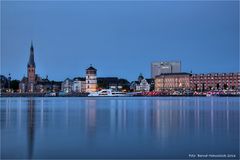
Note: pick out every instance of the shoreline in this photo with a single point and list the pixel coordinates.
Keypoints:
(86, 95)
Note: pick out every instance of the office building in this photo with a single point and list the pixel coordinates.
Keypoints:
(158, 68)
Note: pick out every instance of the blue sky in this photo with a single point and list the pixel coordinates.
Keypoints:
(118, 38)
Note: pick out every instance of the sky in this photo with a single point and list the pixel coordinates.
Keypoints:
(119, 38)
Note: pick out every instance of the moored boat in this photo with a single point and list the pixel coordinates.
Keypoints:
(107, 93)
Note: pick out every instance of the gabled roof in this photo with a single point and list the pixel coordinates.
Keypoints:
(135, 82)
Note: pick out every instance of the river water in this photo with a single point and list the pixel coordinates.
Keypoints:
(120, 127)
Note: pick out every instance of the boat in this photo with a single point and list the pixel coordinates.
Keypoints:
(51, 94)
(107, 93)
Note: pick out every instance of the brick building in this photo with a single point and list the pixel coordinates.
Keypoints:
(33, 82)
(28, 84)
(198, 82)
(215, 81)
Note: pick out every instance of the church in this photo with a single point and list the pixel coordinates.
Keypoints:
(27, 84)
(33, 82)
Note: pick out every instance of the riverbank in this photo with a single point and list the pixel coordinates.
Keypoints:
(42, 95)
(86, 95)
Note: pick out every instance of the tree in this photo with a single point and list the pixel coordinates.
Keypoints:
(14, 84)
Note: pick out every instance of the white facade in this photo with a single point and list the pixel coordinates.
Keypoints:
(79, 86)
(143, 86)
(67, 85)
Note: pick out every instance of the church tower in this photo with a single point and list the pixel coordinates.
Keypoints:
(31, 70)
(91, 79)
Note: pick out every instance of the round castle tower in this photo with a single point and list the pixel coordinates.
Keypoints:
(91, 79)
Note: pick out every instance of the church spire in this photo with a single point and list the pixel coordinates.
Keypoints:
(31, 62)
(31, 48)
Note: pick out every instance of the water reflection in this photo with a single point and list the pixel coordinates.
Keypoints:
(90, 117)
(96, 126)
(31, 126)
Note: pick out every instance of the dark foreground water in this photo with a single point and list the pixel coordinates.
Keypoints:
(141, 127)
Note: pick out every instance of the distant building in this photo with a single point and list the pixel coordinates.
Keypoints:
(28, 84)
(133, 85)
(151, 82)
(143, 86)
(79, 84)
(172, 81)
(91, 79)
(56, 86)
(215, 81)
(31, 71)
(113, 83)
(67, 85)
(140, 85)
(198, 82)
(33, 82)
(158, 68)
(45, 85)
(123, 84)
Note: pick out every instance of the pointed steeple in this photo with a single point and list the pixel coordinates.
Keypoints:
(31, 48)
(140, 77)
(31, 62)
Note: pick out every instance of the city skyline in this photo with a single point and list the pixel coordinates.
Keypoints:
(126, 45)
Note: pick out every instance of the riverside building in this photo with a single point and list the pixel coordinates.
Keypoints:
(141, 84)
(215, 81)
(91, 79)
(198, 82)
(172, 81)
(35, 83)
(28, 83)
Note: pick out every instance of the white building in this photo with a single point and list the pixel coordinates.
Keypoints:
(67, 85)
(140, 85)
(79, 84)
(143, 86)
(91, 79)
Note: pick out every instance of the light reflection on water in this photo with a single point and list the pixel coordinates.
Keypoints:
(141, 127)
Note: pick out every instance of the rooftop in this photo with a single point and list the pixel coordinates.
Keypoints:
(180, 73)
